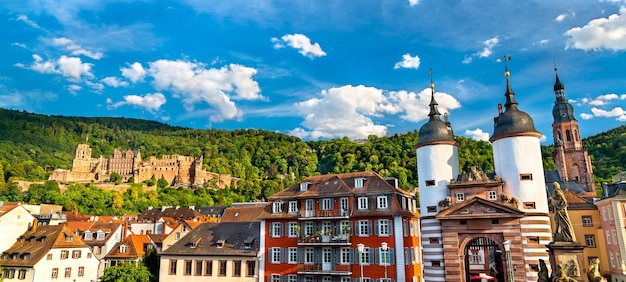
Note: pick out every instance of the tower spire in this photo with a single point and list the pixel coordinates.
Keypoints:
(434, 112)
(559, 88)
(509, 94)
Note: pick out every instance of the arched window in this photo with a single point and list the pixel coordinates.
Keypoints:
(568, 135)
(575, 172)
(576, 135)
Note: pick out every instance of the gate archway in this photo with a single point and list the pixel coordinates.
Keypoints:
(484, 258)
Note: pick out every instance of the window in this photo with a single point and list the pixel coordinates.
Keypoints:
(384, 257)
(309, 228)
(326, 227)
(275, 278)
(363, 228)
(534, 267)
(304, 186)
(292, 255)
(68, 271)
(277, 207)
(345, 205)
(345, 256)
(199, 265)
(358, 182)
(251, 271)
(275, 255)
(433, 240)
(431, 209)
(76, 254)
(188, 265)
(525, 176)
(365, 256)
(384, 228)
(612, 259)
(463, 222)
(293, 207)
(68, 239)
(177, 235)
(49, 256)
(587, 220)
(382, 202)
(608, 237)
(81, 271)
(123, 249)
(291, 229)
(100, 235)
(460, 197)
(208, 267)
(614, 234)
(436, 263)
(292, 278)
(276, 228)
(326, 204)
(55, 272)
(590, 240)
(88, 235)
(222, 265)
(430, 182)
(22, 273)
(237, 268)
(533, 240)
(529, 205)
(308, 256)
(64, 254)
(604, 213)
(345, 228)
(363, 203)
(492, 195)
(404, 205)
(172, 267)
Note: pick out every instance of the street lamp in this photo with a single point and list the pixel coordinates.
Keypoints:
(383, 247)
(361, 248)
(509, 263)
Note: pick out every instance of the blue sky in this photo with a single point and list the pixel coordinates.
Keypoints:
(314, 69)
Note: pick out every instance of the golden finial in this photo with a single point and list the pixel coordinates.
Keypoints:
(430, 73)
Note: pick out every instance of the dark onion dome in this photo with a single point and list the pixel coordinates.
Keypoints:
(562, 110)
(435, 131)
(512, 122)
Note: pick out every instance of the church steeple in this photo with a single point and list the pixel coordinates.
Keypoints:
(434, 112)
(435, 131)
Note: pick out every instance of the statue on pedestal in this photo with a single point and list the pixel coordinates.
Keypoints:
(563, 230)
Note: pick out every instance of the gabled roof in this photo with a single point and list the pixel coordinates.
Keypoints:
(177, 213)
(238, 239)
(135, 243)
(81, 226)
(476, 207)
(108, 228)
(576, 202)
(211, 210)
(7, 207)
(243, 212)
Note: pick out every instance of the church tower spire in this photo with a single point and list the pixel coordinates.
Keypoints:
(570, 157)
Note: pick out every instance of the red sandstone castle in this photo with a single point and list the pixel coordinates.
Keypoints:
(185, 171)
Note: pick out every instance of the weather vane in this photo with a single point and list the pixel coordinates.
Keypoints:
(430, 73)
(506, 68)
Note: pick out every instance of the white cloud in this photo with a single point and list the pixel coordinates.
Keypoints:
(41, 66)
(586, 116)
(134, 73)
(408, 62)
(150, 102)
(564, 16)
(73, 67)
(27, 21)
(413, 2)
(602, 33)
(18, 44)
(617, 112)
(301, 43)
(348, 111)
(544, 41)
(73, 89)
(114, 82)
(485, 52)
(477, 134)
(543, 138)
(600, 100)
(193, 83)
(76, 50)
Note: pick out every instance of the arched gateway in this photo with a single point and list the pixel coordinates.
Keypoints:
(484, 260)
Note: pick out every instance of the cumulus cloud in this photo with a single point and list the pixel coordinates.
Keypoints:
(408, 62)
(134, 73)
(75, 49)
(114, 82)
(477, 134)
(413, 2)
(193, 83)
(349, 111)
(602, 33)
(301, 43)
(73, 67)
(600, 100)
(485, 52)
(149, 102)
(586, 116)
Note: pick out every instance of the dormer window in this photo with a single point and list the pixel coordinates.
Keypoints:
(68, 239)
(358, 182)
(220, 243)
(88, 235)
(123, 249)
(247, 244)
(304, 186)
(100, 235)
(277, 207)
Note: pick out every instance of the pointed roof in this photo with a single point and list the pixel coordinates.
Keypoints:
(435, 131)
(512, 122)
(219, 239)
(562, 111)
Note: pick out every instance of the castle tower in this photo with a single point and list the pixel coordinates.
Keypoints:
(82, 159)
(437, 164)
(517, 160)
(570, 157)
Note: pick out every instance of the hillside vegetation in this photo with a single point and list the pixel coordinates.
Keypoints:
(32, 146)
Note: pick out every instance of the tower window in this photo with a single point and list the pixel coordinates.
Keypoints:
(430, 182)
(495, 221)
(431, 209)
(568, 135)
(433, 240)
(526, 176)
(436, 263)
(534, 267)
(529, 205)
(534, 240)
(463, 222)
(460, 197)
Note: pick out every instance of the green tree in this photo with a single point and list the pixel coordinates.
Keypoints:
(11, 193)
(152, 262)
(116, 177)
(127, 272)
(162, 183)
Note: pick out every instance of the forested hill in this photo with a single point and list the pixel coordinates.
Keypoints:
(32, 146)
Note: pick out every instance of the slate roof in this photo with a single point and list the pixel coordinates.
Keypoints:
(238, 238)
(243, 212)
(612, 190)
(177, 213)
(212, 210)
(552, 176)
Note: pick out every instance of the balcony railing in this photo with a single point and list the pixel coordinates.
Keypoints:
(324, 269)
(329, 214)
(324, 240)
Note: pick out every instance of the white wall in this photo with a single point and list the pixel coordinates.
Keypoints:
(180, 269)
(43, 268)
(439, 163)
(14, 223)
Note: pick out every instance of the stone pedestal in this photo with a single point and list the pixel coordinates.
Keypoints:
(570, 256)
